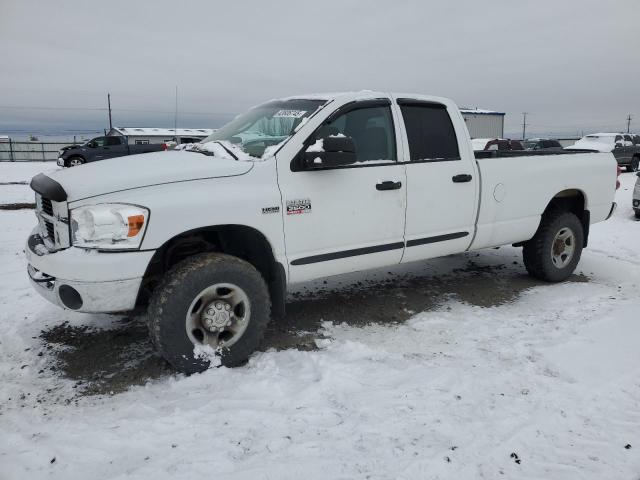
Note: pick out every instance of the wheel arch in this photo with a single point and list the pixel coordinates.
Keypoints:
(572, 200)
(241, 241)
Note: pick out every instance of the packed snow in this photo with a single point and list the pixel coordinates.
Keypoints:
(543, 383)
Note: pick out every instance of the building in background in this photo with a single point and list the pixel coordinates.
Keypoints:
(144, 136)
(483, 123)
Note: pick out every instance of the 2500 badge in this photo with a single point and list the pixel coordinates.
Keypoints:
(297, 207)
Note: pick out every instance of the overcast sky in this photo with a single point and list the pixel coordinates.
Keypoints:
(573, 65)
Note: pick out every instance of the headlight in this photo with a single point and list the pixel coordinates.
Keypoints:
(109, 226)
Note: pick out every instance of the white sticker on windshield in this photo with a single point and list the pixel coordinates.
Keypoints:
(289, 113)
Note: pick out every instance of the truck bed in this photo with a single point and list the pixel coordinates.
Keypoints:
(515, 190)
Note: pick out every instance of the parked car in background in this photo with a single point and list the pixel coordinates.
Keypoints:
(636, 197)
(545, 144)
(624, 146)
(101, 148)
(209, 239)
(501, 144)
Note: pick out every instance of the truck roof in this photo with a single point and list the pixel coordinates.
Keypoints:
(363, 95)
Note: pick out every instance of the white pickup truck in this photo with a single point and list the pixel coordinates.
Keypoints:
(209, 239)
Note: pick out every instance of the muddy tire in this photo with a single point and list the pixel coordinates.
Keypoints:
(209, 300)
(554, 252)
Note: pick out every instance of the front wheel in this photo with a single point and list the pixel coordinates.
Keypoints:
(554, 252)
(210, 303)
(633, 167)
(75, 162)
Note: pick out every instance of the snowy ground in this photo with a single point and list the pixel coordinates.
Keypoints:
(460, 367)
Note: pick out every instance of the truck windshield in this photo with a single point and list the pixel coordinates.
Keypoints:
(265, 125)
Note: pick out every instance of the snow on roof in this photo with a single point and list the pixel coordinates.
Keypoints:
(163, 132)
(479, 111)
(329, 95)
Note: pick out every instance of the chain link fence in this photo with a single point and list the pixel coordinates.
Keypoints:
(12, 151)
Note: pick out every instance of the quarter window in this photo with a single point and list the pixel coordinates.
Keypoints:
(430, 132)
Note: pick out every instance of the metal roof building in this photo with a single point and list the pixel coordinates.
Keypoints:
(483, 123)
(141, 136)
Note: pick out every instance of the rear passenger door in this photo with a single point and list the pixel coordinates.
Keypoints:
(442, 192)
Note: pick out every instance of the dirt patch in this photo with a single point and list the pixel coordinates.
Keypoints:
(395, 300)
(106, 361)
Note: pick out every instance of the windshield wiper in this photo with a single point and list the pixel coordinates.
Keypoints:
(227, 150)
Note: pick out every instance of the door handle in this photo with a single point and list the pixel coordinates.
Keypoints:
(388, 185)
(462, 178)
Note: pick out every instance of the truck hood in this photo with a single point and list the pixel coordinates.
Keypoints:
(135, 171)
(588, 145)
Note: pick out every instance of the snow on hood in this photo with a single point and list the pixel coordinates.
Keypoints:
(134, 171)
(221, 149)
(583, 144)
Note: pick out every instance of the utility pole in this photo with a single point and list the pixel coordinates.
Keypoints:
(109, 103)
(628, 122)
(175, 117)
(524, 125)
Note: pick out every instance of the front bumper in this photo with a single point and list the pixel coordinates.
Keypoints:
(86, 281)
(60, 162)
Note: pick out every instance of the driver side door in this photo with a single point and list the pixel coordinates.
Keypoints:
(347, 218)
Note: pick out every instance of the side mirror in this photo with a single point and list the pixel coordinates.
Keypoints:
(92, 144)
(618, 144)
(330, 152)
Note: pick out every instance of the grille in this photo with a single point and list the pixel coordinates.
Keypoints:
(50, 230)
(47, 207)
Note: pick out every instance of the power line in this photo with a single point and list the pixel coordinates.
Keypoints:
(99, 109)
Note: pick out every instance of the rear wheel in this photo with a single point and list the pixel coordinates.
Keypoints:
(554, 251)
(75, 161)
(210, 303)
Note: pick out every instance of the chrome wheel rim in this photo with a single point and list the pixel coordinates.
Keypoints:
(218, 316)
(563, 247)
(75, 162)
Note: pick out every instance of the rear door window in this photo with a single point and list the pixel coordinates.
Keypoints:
(111, 141)
(430, 131)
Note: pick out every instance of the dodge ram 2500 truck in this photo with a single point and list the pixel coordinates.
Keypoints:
(101, 148)
(208, 239)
